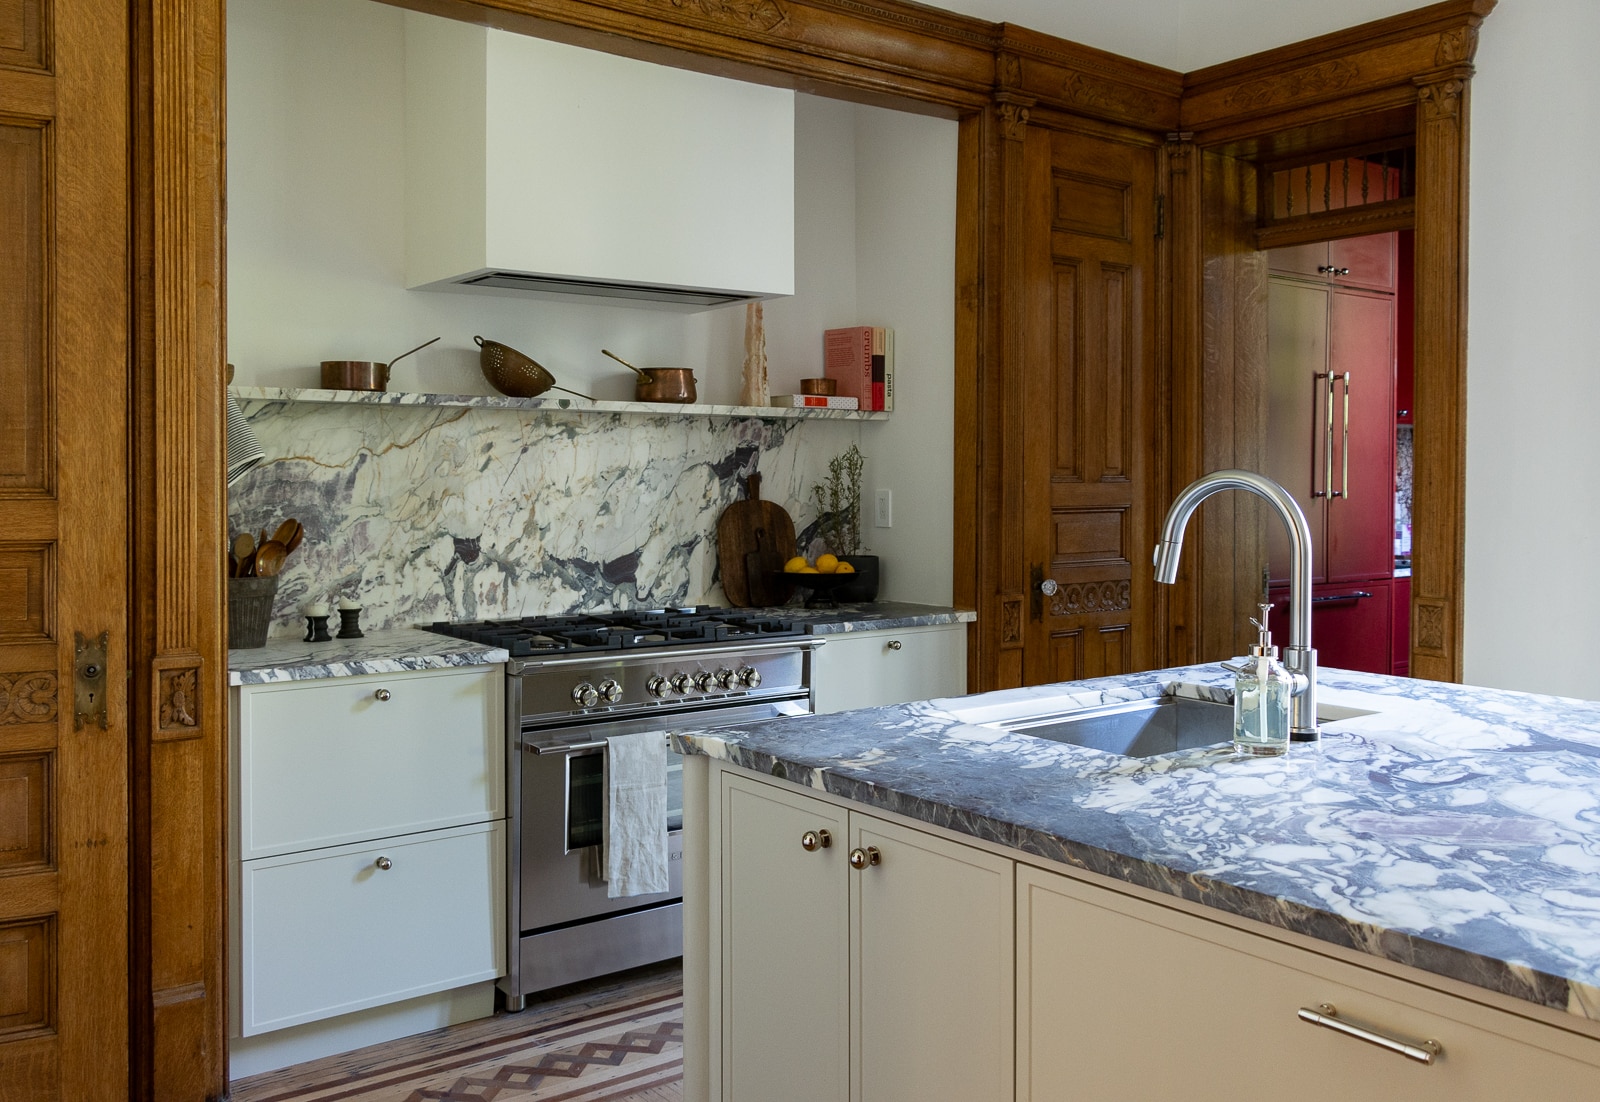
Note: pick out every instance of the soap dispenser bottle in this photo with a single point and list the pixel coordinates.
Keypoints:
(1262, 688)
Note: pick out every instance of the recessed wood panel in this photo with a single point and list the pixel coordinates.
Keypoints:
(1116, 651)
(1115, 338)
(22, 33)
(1090, 535)
(24, 811)
(1069, 438)
(25, 597)
(1084, 204)
(26, 976)
(23, 362)
(1066, 655)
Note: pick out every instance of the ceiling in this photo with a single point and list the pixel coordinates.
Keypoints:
(1182, 34)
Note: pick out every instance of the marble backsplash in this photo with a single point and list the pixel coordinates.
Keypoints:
(423, 513)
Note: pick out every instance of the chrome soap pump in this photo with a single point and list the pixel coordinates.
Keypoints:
(1262, 689)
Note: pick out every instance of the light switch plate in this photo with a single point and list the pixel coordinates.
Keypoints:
(883, 510)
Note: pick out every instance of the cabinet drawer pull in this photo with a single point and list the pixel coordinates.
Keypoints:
(384, 863)
(895, 644)
(382, 694)
(813, 840)
(861, 858)
(1327, 1016)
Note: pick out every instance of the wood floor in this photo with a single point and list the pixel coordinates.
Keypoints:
(614, 1040)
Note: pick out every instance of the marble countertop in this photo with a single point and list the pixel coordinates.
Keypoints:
(376, 652)
(875, 616)
(1455, 829)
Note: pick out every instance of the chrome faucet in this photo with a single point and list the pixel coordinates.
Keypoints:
(1298, 656)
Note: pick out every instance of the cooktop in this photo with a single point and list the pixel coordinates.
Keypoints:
(530, 636)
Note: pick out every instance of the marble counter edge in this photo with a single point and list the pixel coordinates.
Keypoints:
(287, 660)
(1510, 978)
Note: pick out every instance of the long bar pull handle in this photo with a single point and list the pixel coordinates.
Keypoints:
(1327, 1016)
(1344, 455)
(1327, 438)
(1327, 460)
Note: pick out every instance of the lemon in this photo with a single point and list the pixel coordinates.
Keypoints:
(827, 564)
(795, 565)
(844, 568)
(808, 570)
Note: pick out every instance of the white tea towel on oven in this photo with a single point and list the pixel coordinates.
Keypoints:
(636, 814)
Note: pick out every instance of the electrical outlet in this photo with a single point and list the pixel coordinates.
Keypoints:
(883, 512)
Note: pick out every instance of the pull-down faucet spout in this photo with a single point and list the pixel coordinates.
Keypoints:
(1298, 656)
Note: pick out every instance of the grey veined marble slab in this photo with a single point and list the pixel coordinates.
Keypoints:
(875, 616)
(377, 652)
(1456, 829)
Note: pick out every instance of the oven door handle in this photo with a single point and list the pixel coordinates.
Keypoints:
(565, 747)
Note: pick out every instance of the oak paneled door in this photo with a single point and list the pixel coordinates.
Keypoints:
(1089, 439)
(63, 505)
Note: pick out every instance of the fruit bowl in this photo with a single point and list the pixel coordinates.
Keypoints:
(820, 585)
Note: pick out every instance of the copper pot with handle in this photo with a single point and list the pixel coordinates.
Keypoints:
(660, 384)
(362, 374)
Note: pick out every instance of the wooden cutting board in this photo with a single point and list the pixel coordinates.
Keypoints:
(754, 534)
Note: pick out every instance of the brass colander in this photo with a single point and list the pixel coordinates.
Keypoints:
(516, 375)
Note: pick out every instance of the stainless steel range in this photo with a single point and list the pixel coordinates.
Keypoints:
(574, 681)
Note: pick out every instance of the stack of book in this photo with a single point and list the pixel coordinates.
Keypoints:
(815, 401)
(861, 360)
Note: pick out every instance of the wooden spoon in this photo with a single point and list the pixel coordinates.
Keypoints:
(244, 550)
(269, 558)
(294, 541)
(285, 530)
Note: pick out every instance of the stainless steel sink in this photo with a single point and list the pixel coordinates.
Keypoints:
(1149, 727)
(1138, 728)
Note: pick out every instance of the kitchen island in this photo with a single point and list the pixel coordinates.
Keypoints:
(1443, 847)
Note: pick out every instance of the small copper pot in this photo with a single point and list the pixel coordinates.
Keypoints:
(660, 384)
(361, 374)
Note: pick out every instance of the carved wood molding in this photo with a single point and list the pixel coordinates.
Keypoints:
(1013, 121)
(1361, 60)
(1429, 634)
(1377, 218)
(1086, 597)
(176, 696)
(1011, 622)
(28, 697)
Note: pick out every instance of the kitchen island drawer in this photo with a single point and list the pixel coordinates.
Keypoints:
(347, 759)
(330, 932)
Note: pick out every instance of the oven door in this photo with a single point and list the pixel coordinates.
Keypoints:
(563, 801)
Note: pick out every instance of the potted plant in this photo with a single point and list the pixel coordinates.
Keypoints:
(838, 500)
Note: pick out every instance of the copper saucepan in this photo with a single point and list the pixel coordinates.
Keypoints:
(660, 384)
(361, 374)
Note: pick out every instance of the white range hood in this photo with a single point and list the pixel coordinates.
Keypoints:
(540, 168)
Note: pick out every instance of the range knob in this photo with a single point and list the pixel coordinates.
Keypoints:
(724, 678)
(702, 681)
(585, 695)
(657, 686)
(680, 683)
(610, 691)
(749, 677)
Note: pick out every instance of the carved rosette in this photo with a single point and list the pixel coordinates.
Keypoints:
(1010, 623)
(28, 697)
(1430, 627)
(1086, 597)
(1442, 100)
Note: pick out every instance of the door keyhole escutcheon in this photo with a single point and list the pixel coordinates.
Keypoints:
(89, 680)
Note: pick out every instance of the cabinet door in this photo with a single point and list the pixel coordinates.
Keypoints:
(339, 930)
(1297, 408)
(1400, 636)
(785, 947)
(1370, 259)
(933, 989)
(1361, 512)
(1303, 260)
(1350, 624)
(1122, 999)
(872, 669)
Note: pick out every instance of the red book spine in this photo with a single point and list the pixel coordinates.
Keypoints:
(877, 367)
(847, 359)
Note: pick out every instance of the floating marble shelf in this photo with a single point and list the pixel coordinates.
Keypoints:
(537, 405)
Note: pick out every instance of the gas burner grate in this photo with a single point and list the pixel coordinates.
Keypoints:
(538, 636)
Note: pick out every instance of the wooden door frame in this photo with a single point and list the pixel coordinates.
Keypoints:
(1412, 70)
(989, 77)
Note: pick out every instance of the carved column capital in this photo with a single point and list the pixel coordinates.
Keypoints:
(1013, 119)
(1439, 94)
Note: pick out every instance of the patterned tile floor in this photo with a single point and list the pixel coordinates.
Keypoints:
(614, 1040)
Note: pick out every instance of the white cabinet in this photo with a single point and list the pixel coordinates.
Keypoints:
(871, 669)
(885, 983)
(1118, 997)
(371, 842)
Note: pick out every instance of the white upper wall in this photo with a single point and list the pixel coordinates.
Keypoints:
(1183, 34)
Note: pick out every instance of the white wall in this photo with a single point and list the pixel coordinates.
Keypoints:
(1533, 383)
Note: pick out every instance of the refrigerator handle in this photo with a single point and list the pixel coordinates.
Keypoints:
(1344, 451)
(1327, 434)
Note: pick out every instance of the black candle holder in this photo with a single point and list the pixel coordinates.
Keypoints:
(350, 623)
(317, 629)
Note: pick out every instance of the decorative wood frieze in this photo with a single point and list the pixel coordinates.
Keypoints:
(1085, 597)
(176, 697)
(29, 697)
(1011, 623)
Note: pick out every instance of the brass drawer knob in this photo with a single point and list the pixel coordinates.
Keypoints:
(813, 840)
(861, 858)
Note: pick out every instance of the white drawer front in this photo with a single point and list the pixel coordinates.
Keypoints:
(325, 763)
(872, 669)
(329, 933)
